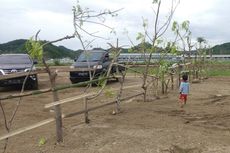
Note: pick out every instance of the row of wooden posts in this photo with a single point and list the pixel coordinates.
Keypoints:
(56, 104)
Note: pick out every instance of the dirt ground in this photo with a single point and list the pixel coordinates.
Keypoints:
(158, 126)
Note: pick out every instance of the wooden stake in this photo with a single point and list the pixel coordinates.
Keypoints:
(86, 110)
(172, 82)
(118, 101)
(58, 119)
(57, 108)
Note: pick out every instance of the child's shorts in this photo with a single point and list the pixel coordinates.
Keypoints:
(183, 97)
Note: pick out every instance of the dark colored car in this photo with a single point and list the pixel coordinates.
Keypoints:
(16, 63)
(98, 62)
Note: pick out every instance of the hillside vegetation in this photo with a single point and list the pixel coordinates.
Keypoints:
(50, 50)
(222, 49)
(57, 52)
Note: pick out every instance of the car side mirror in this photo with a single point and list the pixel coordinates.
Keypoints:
(106, 58)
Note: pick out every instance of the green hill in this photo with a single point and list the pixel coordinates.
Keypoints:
(222, 49)
(50, 50)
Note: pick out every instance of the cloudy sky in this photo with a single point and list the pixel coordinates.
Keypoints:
(21, 19)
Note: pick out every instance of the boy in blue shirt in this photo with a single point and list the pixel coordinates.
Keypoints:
(184, 90)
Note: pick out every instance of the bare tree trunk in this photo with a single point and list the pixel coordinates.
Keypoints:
(155, 85)
(163, 87)
(121, 80)
(172, 81)
(57, 109)
(86, 110)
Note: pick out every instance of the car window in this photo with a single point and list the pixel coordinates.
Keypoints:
(15, 59)
(91, 56)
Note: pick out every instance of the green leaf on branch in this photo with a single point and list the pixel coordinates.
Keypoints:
(174, 50)
(174, 26)
(185, 25)
(140, 36)
(159, 41)
(34, 49)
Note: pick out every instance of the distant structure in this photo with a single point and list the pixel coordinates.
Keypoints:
(140, 57)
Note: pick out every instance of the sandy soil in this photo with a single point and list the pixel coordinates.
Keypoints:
(158, 126)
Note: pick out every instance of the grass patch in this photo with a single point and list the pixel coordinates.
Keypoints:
(141, 69)
(219, 72)
(226, 62)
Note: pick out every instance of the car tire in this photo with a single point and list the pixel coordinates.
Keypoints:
(32, 84)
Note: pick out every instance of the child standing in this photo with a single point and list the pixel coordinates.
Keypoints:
(184, 90)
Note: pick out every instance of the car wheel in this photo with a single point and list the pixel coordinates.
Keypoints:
(32, 85)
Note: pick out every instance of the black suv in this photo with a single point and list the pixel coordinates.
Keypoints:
(98, 61)
(16, 63)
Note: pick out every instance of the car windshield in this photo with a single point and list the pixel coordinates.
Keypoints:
(15, 59)
(91, 56)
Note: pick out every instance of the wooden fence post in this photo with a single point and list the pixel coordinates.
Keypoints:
(57, 108)
(118, 101)
(58, 118)
(172, 81)
(86, 110)
(157, 84)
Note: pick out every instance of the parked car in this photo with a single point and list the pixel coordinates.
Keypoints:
(98, 62)
(16, 63)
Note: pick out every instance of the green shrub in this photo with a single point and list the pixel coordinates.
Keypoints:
(57, 62)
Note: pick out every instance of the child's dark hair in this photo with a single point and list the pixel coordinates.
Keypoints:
(185, 77)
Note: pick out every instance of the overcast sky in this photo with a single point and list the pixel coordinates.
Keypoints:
(21, 19)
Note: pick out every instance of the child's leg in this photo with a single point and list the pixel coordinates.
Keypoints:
(182, 100)
(185, 99)
(182, 103)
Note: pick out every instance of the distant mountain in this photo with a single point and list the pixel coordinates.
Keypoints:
(16, 46)
(50, 50)
(221, 49)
